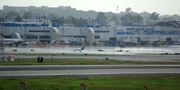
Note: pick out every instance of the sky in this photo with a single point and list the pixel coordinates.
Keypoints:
(163, 7)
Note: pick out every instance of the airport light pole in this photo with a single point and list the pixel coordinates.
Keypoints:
(25, 27)
(88, 20)
(138, 36)
(147, 34)
(106, 21)
(138, 27)
(77, 22)
(2, 39)
(154, 29)
(115, 31)
(122, 23)
(98, 25)
(80, 24)
(132, 30)
(54, 19)
(164, 32)
(154, 23)
(6, 23)
(72, 20)
(44, 22)
(36, 21)
(63, 26)
(2, 24)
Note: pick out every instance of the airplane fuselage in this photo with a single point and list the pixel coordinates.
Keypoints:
(11, 41)
(79, 49)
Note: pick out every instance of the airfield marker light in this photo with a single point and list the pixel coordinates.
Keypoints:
(84, 85)
(24, 84)
(145, 87)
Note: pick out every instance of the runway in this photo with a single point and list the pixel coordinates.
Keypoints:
(86, 70)
(135, 53)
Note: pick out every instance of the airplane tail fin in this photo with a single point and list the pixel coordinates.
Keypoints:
(17, 35)
(82, 48)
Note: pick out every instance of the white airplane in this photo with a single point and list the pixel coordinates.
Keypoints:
(79, 49)
(11, 41)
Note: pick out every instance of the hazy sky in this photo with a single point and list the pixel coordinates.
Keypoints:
(163, 7)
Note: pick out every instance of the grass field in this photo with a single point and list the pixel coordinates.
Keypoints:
(133, 82)
(159, 82)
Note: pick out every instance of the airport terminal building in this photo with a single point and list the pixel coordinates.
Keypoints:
(159, 33)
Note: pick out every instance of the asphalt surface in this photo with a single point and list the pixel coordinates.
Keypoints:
(81, 70)
(139, 54)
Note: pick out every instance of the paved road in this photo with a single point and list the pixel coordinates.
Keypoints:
(62, 70)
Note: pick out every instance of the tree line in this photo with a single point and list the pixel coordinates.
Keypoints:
(101, 18)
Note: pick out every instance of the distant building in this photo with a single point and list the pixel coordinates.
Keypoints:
(45, 31)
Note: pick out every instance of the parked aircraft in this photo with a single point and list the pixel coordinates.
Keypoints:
(52, 42)
(79, 49)
(11, 41)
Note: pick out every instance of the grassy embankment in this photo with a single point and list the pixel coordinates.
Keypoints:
(165, 82)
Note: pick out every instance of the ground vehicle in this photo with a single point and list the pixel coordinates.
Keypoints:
(25, 43)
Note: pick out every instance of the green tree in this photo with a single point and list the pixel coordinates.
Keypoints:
(82, 21)
(137, 19)
(28, 15)
(61, 20)
(11, 14)
(52, 16)
(129, 19)
(70, 19)
(128, 9)
(101, 18)
(18, 18)
(2, 14)
(113, 18)
(154, 15)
